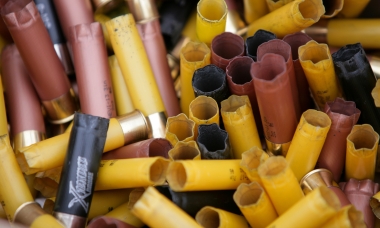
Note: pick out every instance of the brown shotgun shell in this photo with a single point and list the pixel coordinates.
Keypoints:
(92, 70)
(343, 115)
(36, 49)
(146, 148)
(23, 105)
(359, 192)
(280, 47)
(224, 47)
(274, 96)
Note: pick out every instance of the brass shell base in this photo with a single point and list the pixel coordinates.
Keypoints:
(317, 178)
(134, 125)
(27, 138)
(276, 149)
(69, 220)
(27, 213)
(61, 110)
(157, 125)
(64, 56)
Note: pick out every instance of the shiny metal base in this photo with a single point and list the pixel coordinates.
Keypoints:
(318, 31)
(64, 56)
(105, 6)
(27, 138)
(375, 65)
(70, 221)
(275, 149)
(27, 213)
(317, 178)
(61, 110)
(157, 125)
(135, 126)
